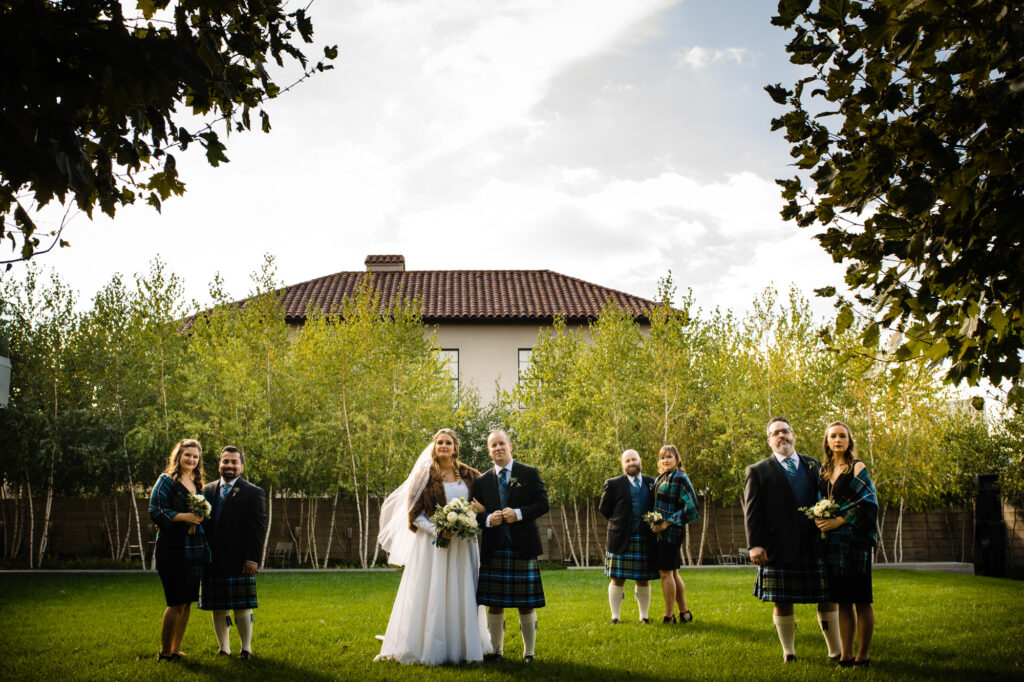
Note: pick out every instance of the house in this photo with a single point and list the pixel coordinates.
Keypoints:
(487, 321)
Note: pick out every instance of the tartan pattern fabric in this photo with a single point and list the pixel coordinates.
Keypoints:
(848, 548)
(635, 564)
(167, 501)
(675, 498)
(508, 581)
(232, 592)
(800, 583)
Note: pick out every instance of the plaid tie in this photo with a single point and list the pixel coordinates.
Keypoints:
(224, 490)
(790, 467)
(636, 482)
(503, 475)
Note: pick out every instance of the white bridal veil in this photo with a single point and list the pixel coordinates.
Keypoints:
(394, 536)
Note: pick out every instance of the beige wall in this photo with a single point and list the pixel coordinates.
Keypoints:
(488, 352)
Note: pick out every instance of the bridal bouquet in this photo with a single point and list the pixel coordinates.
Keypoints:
(653, 518)
(825, 509)
(457, 519)
(198, 505)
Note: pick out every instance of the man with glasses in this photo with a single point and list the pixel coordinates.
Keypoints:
(784, 544)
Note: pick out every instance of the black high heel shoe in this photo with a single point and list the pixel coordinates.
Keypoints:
(669, 619)
(685, 616)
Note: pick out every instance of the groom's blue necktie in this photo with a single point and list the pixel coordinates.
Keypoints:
(790, 466)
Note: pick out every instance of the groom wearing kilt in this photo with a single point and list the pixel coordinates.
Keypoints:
(513, 497)
(784, 544)
(236, 531)
(624, 502)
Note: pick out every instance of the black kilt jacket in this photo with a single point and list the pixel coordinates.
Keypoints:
(617, 506)
(237, 531)
(772, 519)
(526, 493)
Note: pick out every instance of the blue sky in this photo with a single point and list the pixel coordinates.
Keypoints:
(607, 140)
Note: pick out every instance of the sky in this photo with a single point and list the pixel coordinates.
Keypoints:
(607, 140)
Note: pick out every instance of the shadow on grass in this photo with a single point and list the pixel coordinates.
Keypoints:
(231, 668)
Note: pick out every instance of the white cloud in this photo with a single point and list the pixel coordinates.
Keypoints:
(698, 58)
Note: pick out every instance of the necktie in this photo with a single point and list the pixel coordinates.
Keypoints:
(503, 475)
(636, 482)
(224, 490)
(790, 467)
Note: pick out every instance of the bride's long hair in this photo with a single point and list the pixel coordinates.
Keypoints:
(435, 469)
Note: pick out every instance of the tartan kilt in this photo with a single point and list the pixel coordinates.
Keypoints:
(232, 592)
(635, 564)
(803, 582)
(508, 581)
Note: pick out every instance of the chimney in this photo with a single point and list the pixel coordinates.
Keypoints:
(390, 263)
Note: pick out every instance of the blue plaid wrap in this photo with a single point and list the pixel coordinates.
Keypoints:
(509, 581)
(675, 499)
(167, 501)
(848, 548)
(635, 564)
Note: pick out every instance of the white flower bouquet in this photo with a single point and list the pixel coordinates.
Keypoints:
(825, 508)
(455, 519)
(198, 505)
(653, 518)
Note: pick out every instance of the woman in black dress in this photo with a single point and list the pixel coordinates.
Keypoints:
(850, 537)
(181, 549)
(676, 501)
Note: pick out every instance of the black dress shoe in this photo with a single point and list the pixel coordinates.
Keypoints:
(223, 653)
(645, 621)
(685, 617)
(834, 659)
(615, 621)
(845, 662)
(865, 663)
(528, 659)
(789, 658)
(162, 657)
(245, 655)
(494, 658)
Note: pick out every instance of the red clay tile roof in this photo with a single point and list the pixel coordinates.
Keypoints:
(470, 295)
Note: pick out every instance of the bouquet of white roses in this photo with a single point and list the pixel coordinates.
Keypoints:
(455, 519)
(198, 505)
(825, 508)
(653, 518)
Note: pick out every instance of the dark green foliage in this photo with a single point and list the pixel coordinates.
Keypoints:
(94, 101)
(919, 126)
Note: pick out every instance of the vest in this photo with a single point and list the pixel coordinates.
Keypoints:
(640, 499)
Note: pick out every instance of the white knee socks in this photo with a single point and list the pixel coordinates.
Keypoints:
(528, 626)
(496, 629)
(221, 623)
(829, 622)
(615, 594)
(643, 599)
(786, 627)
(243, 621)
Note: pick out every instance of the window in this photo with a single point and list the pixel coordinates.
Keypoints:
(451, 359)
(524, 361)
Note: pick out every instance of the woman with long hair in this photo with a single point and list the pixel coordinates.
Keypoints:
(181, 550)
(435, 618)
(850, 537)
(676, 501)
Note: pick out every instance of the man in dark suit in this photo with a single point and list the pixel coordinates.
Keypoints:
(784, 543)
(624, 502)
(513, 497)
(235, 531)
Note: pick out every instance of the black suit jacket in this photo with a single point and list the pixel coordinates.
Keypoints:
(772, 519)
(527, 494)
(617, 506)
(236, 532)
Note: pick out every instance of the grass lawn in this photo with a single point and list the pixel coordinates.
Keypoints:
(322, 627)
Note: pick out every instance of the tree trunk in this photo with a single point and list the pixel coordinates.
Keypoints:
(108, 531)
(303, 522)
(270, 523)
(568, 538)
(3, 518)
(330, 530)
(688, 553)
(881, 536)
(703, 531)
(579, 539)
(355, 481)
(314, 504)
(376, 545)
(897, 546)
(135, 502)
(49, 506)
(586, 530)
(31, 522)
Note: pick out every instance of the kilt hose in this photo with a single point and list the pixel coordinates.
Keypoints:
(635, 564)
(803, 582)
(226, 593)
(508, 581)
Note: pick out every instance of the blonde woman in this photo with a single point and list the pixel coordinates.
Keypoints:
(850, 536)
(676, 501)
(181, 556)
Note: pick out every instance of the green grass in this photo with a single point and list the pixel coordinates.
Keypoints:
(321, 627)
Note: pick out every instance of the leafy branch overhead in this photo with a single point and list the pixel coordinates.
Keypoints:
(909, 133)
(95, 102)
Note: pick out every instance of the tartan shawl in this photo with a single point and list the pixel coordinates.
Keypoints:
(675, 499)
(167, 501)
(849, 546)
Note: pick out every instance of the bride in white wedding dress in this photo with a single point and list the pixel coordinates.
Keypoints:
(435, 618)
